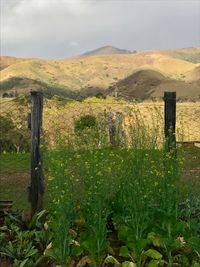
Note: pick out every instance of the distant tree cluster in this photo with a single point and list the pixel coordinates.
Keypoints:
(100, 95)
(10, 94)
(13, 139)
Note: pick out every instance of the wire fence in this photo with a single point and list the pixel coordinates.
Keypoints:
(62, 120)
(59, 118)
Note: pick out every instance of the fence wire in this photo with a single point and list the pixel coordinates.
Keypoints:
(130, 123)
(60, 118)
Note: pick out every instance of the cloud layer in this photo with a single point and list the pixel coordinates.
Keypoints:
(64, 28)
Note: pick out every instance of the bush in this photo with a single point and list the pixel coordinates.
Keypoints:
(85, 122)
(100, 95)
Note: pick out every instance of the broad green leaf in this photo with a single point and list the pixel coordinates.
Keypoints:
(86, 245)
(23, 263)
(124, 252)
(154, 254)
(155, 263)
(128, 264)
(123, 232)
(112, 260)
(111, 250)
(36, 217)
(77, 251)
(31, 252)
(154, 239)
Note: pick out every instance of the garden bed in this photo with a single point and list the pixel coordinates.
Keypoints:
(110, 207)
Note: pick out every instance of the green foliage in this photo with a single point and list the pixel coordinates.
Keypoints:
(11, 137)
(24, 242)
(85, 122)
(61, 208)
(6, 126)
(100, 95)
(134, 189)
(23, 99)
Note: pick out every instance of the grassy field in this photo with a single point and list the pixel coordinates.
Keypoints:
(14, 178)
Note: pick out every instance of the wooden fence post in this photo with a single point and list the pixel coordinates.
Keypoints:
(119, 129)
(170, 120)
(111, 129)
(36, 189)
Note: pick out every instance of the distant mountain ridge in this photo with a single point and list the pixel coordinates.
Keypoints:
(106, 50)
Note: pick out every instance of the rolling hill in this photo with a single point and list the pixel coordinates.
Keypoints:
(145, 74)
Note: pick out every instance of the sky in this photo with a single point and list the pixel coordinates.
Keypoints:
(66, 28)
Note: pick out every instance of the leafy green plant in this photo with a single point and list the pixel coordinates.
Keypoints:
(23, 241)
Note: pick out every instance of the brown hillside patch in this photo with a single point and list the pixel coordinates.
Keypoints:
(149, 83)
(193, 75)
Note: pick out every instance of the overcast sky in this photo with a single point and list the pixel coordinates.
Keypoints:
(64, 28)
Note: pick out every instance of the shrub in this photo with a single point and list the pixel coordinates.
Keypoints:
(100, 95)
(85, 122)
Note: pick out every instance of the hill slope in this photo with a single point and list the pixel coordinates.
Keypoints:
(144, 84)
(86, 76)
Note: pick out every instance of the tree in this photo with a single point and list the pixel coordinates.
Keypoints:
(5, 95)
(100, 95)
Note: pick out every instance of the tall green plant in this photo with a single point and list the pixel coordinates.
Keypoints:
(100, 182)
(61, 206)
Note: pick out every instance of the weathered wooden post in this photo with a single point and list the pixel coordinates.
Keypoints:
(36, 188)
(170, 120)
(111, 129)
(119, 129)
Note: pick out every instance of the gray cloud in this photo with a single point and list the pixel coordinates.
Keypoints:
(63, 28)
